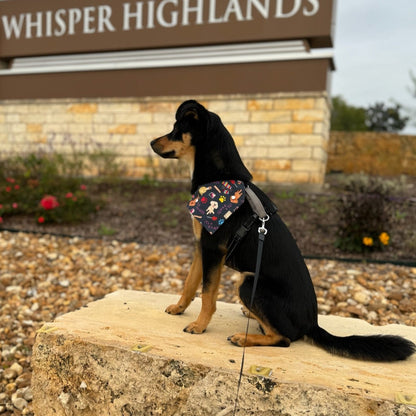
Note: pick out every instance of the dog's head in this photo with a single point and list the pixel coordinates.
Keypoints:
(200, 138)
(180, 142)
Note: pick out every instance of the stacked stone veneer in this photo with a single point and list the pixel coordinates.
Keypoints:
(282, 138)
(373, 153)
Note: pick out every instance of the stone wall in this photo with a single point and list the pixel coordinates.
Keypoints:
(282, 138)
(372, 153)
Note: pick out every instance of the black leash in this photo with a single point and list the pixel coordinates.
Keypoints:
(262, 233)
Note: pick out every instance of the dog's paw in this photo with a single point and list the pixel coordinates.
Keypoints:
(174, 309)
(237, 339)
(194, 328)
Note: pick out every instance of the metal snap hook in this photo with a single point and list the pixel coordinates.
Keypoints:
(262, 229)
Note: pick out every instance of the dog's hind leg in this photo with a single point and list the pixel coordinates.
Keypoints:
(191, 285)
(270, 335)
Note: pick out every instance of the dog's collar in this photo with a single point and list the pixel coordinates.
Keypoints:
(213, 203)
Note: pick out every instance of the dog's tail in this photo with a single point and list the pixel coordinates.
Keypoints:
(368, 348)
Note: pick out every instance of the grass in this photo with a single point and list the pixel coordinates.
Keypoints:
(105, 230)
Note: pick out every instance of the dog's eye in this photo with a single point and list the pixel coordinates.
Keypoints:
(176, 135)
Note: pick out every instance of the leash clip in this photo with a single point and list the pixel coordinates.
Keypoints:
(262, 229)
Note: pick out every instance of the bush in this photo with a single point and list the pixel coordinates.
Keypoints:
(45, 186)
(364, 214)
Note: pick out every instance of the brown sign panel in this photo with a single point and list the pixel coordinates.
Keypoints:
(248, 78)
(47, 27)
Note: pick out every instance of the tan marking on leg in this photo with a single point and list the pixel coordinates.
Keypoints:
(197, 228)
(259, 340)
(269, 338)
(209, 299)
(191, 285)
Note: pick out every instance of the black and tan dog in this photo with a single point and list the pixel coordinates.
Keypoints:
(285, 302)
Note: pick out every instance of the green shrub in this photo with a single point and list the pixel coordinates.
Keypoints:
(364, 212)
(28, 182)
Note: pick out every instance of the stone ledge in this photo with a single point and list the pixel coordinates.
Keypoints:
(87, 363)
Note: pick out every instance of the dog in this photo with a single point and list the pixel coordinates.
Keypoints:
(284, 302)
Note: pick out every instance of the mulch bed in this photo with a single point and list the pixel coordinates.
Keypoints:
(150, 213)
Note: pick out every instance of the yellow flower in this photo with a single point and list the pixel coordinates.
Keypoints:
(367, 241)
(384, 238)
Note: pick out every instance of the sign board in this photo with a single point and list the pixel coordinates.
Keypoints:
(48, 27)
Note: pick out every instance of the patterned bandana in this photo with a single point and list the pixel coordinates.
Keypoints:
(214, 202)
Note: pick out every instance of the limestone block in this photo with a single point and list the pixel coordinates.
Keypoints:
(295, 152)
(12, 118)
(118, 107)
(235, 116)
(308, 115)
(123, 129)
(83, 108)
(268, 116)
(248, 152)
(308, 140)
(295, 128)
(308, 165)
(222, 105)
(268, 140)
(295, 104)
(260, 104)
(122, 355)
(272, 164)
(281, 176)
(156, 106)
(251, 128)
(105, 118)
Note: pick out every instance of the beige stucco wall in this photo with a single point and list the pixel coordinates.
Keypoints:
(282, 138)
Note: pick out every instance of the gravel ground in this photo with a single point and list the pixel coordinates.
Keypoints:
(44, 276)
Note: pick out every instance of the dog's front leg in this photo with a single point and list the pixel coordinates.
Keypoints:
(212, 267)
(191, 285)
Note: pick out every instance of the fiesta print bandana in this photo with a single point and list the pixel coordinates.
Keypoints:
(215, 202)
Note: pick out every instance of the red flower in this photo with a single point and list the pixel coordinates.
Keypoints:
(10, 180)
(8, 188)
(69, 195)
(15, 205)
(17, 187)
(41, 220)
(83, 187)
(49, 202)
(1, 220)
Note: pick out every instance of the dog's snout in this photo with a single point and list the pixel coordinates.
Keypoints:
(162, 146)
(155, 144)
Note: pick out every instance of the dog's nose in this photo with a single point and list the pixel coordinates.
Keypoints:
(153, 144)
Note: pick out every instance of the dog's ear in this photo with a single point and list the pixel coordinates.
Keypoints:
(190, 108)
(192, 113)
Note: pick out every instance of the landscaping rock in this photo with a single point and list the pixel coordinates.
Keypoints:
(124, 356)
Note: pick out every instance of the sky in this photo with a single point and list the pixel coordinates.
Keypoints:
(375, 50)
